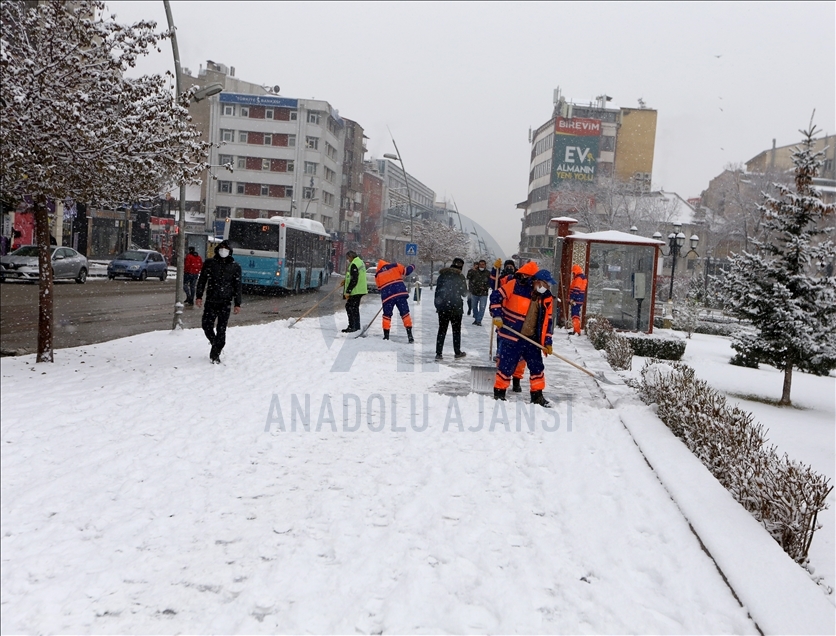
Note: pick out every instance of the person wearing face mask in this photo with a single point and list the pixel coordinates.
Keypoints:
(478, 281)
(525, 305)
(220, 276)
(505, 272)
(577, 294)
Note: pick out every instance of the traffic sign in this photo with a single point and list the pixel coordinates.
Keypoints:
(412, 249)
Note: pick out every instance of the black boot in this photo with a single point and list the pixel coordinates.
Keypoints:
(409, 335)
(215, 355)
(516, 386)
(537, 398)
(499, 394)
(386, 334)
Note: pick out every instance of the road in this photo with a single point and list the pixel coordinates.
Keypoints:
(102, 310)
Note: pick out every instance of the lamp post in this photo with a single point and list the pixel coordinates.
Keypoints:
(676, 240)
(389, 155)
(307, 205)
(203, 93)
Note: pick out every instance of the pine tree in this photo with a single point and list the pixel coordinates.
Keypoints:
(72, 125)
(782, 287)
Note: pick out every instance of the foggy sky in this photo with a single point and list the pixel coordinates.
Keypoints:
(459, 84)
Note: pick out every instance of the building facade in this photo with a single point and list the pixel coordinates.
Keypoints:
(579, 150)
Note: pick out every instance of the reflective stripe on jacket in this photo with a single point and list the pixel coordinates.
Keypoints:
(389, 280)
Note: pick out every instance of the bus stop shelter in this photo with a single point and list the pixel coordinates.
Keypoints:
(620, 270)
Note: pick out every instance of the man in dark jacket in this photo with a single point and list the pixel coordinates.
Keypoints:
(478, 281)
(223, 276)
(450, 291)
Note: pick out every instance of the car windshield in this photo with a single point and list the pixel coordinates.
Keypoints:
(131, 256)
(26, 250)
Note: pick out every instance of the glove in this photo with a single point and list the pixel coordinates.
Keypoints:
(497, 323)
(548, 349)
(497, 263)
(346, 296)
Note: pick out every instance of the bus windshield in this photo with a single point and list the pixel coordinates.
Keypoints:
(251, 235)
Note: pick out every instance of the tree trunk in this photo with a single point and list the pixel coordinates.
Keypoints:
(785, 397)
(45, 289)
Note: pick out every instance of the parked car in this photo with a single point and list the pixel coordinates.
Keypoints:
(22, 264)
(139, 265)
(370, 281)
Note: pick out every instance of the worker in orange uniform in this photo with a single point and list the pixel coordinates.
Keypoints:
(525, 305)
(577, 294)
(393, 293)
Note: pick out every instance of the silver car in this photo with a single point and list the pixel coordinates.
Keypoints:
(22, 264)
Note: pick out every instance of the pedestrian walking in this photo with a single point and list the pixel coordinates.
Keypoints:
(469, 295)
(450, 292)
(191, 271)
(220, 276)
(393, 293)
(525, 305)
(355, 288)
(577, 295)
(478, 284)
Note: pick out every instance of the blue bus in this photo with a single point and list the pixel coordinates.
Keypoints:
(281, 252)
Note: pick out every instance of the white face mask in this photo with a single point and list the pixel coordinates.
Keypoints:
(223, 252)
(540, 289)
(481, 269)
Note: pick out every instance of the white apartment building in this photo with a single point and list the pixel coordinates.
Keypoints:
(286, 155)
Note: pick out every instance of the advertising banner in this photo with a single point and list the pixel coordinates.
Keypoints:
(575, 154)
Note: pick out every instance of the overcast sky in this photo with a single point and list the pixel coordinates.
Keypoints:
(459, 84)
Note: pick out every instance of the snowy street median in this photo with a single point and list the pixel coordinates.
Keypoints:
(314, 482)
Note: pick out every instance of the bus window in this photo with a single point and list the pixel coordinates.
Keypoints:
(254, 236)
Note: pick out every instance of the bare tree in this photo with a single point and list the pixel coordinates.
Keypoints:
(74, 126)
(438, 242)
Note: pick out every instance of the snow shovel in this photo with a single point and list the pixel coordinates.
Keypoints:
(293, 324)
(362, 334)
(482, 377)
(597, 376)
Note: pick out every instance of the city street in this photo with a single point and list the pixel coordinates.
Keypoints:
(103, 310)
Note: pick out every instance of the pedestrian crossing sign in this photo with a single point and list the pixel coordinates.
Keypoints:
(412, 249)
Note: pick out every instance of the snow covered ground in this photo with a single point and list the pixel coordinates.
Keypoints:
(318, 483)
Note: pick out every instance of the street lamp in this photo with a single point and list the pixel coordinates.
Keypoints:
(397, 157)
(208, 91)
(676, 240)
(307, 205)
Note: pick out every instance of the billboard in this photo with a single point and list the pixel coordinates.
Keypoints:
(575, 154)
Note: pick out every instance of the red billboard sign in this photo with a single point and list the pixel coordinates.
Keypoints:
(578, 126)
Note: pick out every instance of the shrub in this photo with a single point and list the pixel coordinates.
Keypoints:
(744, 360)
(661, 348)
(619, 352)
(598, 330)
(784, 496)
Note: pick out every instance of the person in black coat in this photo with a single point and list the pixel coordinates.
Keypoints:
(450, 292)
(221, 278)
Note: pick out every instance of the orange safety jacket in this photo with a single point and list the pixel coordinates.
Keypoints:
(511, 302)
(389, 280)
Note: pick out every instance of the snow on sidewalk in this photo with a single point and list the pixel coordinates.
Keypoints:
(141, 493)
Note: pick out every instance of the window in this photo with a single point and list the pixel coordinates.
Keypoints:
(288, 192)
(308, 193)
(242, 163)
(222, 212)
(607, 143)
(294, 115)
(242, 137)
(291, 166)
(227, 135)
(268, 140)
(245, 111)
(310, 167)
(328, 198)
(314, 116)
(312, 143)
(265, 164)
(331, 152)
(239, 188)
(224, 159)
(268, 113)
(291, 140)
(330, 174)
(265, 190)
(229, 109)
(225, 186)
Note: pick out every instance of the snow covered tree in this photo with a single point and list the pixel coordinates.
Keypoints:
(782, 288)
(439, 242)
(73, 126)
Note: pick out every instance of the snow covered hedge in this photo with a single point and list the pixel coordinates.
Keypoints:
(783, 495)
(656, 347)
(619, 352)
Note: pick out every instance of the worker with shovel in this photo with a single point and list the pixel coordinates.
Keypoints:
(393, 293)
(524, 306)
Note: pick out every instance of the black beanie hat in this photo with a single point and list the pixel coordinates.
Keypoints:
(457, 263)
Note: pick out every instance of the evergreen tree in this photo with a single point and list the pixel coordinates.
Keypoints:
(782, 287)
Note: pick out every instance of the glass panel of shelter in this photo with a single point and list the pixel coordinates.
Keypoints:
(620, 279)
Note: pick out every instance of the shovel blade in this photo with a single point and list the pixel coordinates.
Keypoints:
(482, 379)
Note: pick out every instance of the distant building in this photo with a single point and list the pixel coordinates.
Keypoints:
(348, 235)
(581, 147)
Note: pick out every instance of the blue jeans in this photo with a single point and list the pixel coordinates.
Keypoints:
(479, 305)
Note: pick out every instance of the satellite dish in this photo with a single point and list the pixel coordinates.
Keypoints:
(276, 89)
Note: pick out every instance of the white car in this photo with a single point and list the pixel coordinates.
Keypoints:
(370, 281)
(22, 264)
